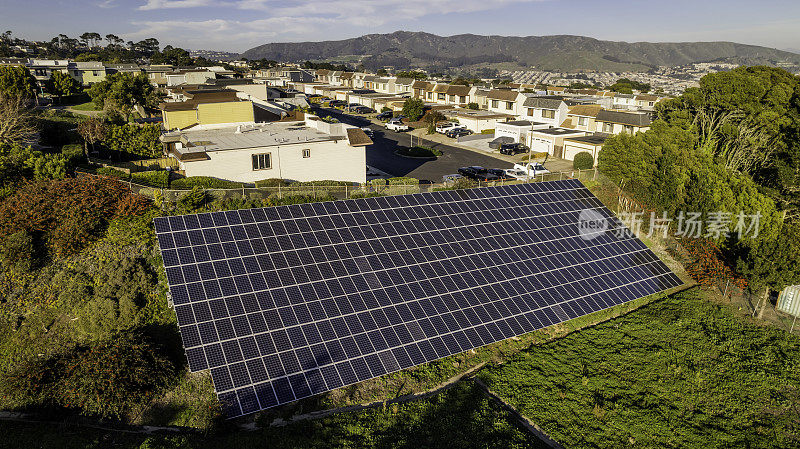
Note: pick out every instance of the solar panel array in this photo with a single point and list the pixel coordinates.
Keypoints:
(286, 302)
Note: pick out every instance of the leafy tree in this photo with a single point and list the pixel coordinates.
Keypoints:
(381, 72)
(133, 140)
(473, 106)
(18, 164)
(124, 90)
(62, 85)
(413, 108)
(172, 55)
(432, 118)
(17, 123)
(17, 81)
(626, 86)
(414, 74)
(92, 131)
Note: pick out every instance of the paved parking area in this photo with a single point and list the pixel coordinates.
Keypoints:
(381, 154)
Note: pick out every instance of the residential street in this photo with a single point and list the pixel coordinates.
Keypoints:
(381, 154)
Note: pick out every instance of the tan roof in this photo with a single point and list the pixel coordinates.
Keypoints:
(458, 89)
(440, 88)
(586, 110)
(199, 98)
(358, 138)
(647, 97)
(500, 94)
(347, 75)
(323, 72)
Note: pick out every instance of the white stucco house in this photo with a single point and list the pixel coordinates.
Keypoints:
(310, 150)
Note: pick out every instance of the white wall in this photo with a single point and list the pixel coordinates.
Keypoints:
(334, 160)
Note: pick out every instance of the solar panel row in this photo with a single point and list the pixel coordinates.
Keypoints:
(282, 303)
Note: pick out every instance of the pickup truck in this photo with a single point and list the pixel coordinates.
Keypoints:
(444, 127)
(396, 125)
(532, 169)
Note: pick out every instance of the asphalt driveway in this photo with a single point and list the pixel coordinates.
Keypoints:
(381, 154)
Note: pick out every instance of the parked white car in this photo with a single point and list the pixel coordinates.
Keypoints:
(517, 174)
(396, 125)
(532, 169)
(444, 127)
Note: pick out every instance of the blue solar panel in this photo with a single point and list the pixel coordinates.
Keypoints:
(286, 302)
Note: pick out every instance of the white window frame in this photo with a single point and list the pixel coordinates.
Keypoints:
(258, 160)
(306, 153)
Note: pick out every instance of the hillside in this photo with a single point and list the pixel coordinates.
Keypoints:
(403, 49)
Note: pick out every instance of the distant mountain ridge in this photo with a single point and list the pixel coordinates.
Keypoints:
(562, 52)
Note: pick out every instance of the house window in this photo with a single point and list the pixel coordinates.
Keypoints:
(440, 96)
(306, 153)
(452, 98)
(509, 105)
(608, 128)
(651, 103)
(582, 121)
(548, 113)
(628, 129)
(430, 95)
(495, 103)
(463, 99)
(530, 112)
(262, 161)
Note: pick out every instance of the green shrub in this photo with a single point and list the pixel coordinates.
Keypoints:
(325, 183)
(488, 131)
(272, 182)
(403, 180)
(204, 181)
(363, 194)
(192, 201)
(58, 128)
(73, 153)
(473, 106)
(157, 178)
(583, 161)
(17, 252)
(419, 151)
(105, 379)
(112, 172)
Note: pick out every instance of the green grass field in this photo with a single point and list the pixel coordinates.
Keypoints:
(460, 417)
(88, 106)
(680, 372)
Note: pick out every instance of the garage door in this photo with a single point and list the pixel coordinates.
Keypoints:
(541, 145)
(570, 152)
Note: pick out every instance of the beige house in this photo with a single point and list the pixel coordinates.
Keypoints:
(87, 73)
(582, 117)
(207, 108)
(310, 150)
(477, 121)
(551, 140)
(615, 122)
(504, 101)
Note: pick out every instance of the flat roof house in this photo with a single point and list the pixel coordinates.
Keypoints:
(310, 150)
(207, 108)
(518, 130)
(589, 144)
(551, 140)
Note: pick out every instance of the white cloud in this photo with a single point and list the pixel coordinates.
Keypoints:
(298, 20)
(173, 4)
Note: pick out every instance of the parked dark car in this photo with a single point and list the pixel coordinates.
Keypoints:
(336, 103)
(362, 110)
(457, 132)
(501, 174)
(513, 148)
(385, 115)
(477, 173)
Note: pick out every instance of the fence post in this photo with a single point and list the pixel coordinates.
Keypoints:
(594, 176)
(346, 193)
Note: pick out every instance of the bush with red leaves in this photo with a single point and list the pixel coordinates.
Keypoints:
(65, 215)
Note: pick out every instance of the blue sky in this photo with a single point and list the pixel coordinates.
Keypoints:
(236, 25)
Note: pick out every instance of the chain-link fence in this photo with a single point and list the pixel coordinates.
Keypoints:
(322, 192)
